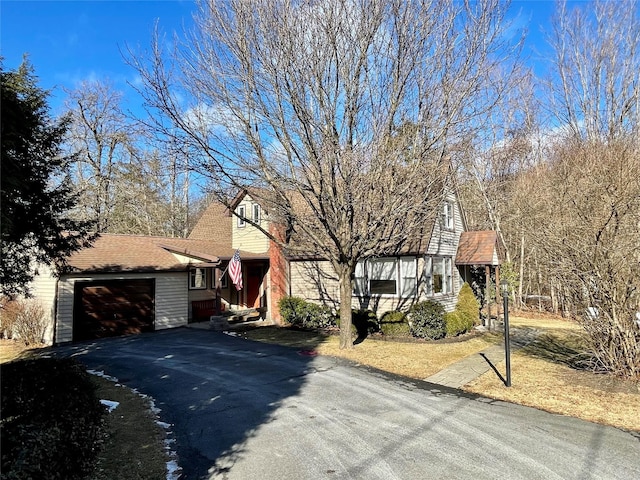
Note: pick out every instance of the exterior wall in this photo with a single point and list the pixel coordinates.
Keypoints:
(277, 279)
(171, 300)
(444, 243)
(43, 289)
(316, 280)
(248, 237)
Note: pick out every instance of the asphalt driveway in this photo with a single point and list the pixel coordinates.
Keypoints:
(245, 410)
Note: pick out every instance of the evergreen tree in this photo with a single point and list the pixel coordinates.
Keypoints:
(36, 194)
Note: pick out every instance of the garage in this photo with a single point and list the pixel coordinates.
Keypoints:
(109, 308)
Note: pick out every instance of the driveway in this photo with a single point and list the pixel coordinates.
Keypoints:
(245, 410)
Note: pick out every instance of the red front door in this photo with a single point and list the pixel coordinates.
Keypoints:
(254, 280)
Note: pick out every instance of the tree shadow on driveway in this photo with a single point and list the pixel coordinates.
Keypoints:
(214, 389)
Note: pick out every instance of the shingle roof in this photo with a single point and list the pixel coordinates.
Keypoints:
(214, 225)
(138, 253)
(134, 253)
(478, 248)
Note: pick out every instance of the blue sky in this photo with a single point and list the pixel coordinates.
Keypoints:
(74, 40)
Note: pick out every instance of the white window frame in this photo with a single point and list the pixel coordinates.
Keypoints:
(256, 213)
(404, 275)
(445, 269)
(197, 278)
(383, 263)
(242, 214)
(447, 215)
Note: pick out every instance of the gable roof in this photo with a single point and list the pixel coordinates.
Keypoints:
(478, 248)
(138, 253)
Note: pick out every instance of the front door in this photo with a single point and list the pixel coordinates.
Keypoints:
(254, 280)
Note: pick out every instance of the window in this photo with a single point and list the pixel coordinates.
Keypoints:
(224, 283)
(438, 275)
(256, 213)
(197, 278)
(386, 276)
(242, 214)
(360, 280)
(447, 215)
(382, 276)
(408, 276)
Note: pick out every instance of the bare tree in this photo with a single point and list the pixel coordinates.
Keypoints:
(595, 89)
(128, 181)
(592, 241)
(101, 136)
(589, 236)
(345, 113)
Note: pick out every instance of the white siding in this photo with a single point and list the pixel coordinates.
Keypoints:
(444, 243)
(171, 300)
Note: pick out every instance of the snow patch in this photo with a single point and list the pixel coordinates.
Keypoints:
(110, 404)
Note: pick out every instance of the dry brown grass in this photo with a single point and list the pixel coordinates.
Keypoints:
(411, 359)
(134, 443)
(548, 375)
(12, 349)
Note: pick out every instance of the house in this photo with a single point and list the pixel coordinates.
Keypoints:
(425, 271)
(126, 284)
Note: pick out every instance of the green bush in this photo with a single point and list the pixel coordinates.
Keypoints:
(395, 324)
(468, 306)
(426, 320)
(456, 323)
(297, 311)
(52, 422)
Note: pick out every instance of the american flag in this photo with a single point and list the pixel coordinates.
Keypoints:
(235, 270)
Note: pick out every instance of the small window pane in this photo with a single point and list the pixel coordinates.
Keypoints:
(241, 215)
(198, 278)
(382, 287)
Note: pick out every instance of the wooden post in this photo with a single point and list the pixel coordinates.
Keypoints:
(487, 273)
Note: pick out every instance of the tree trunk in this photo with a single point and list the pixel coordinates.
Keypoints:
(345, 274)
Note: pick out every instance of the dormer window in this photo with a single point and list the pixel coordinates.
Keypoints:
(242, 213)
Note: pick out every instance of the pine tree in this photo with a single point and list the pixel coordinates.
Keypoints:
(36, 194)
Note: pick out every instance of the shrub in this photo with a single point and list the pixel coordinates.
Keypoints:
(52, 422)
(297, 311)
(24, 320)
(394, 323)
(468, 305)
(456, 323)
(426, 320)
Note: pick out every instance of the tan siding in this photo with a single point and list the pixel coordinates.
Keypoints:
(248, 237)
(43, 289)
(315, 281)
(64, 316)
(171, 300)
